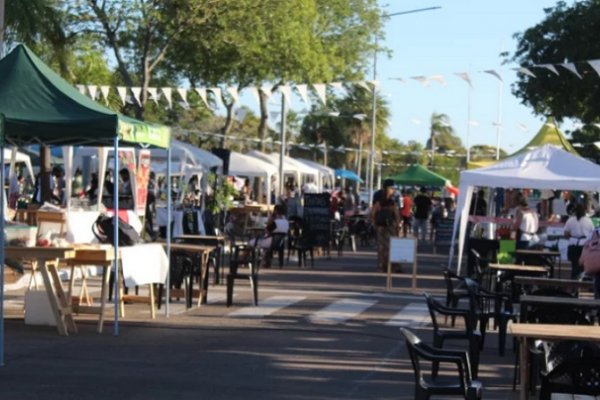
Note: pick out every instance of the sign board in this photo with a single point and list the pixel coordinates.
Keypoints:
(403, 250)
(317, 218)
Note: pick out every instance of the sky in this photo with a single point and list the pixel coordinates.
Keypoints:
(461, 36)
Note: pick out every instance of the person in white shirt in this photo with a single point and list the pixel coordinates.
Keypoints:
(527, 224)
(578, 229)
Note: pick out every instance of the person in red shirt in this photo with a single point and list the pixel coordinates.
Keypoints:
(406, 212)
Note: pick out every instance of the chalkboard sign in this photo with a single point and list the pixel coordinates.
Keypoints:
(317, 218)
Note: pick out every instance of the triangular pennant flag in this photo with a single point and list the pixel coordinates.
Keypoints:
(233, 92)
(401, 80)
(240, 114)
(596, 65)
(525, 71)
(168, 92)
(122, 90)
(254, 91)
(136, 94)
(321, 90)
(523, 127)
(183, 94)
(105, 90)
(597, 125)
(274, 114)
(549, 67)
(421, 79)
(571, 67)
(266, 91)
(287, 93)
(494, 73)
(217, 92)
(153, 94)
(81, 88)
(93, 90)
(303, 92)
(336, 85)
(202, 93)
(438, 78)
(374, 83)
(465, 77)
(363, 85)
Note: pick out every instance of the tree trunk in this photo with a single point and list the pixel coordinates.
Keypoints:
(228, 122)
(262, 127)
(45, 174)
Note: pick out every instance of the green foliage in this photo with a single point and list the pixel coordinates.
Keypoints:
(221, 198)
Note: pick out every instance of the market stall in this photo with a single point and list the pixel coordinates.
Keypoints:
(418, 175)
(300, 172)
(38, 106)
(545, 167)
(326, 174)
(246, 166)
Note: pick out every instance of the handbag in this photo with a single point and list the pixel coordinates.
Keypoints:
(590, 255)
(103, 229)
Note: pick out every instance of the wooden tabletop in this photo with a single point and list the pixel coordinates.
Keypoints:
(90, 255)
(196, 248)
(559, 301)
(39, 252)
(201, 237)
(518, 267)
(550, 253)
(547, 282)
(556, 332)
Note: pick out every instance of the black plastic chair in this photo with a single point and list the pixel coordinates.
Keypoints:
(464, 386)
(573, 367)
(243, 255)
(456, 289)
(486, 305)
(469, 334)
(299, 241)
(277, 246)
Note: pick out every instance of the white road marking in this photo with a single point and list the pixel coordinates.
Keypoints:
(267, 306)
(413, 314)
(341, 310)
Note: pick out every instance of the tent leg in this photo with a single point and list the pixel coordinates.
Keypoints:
(116, 233)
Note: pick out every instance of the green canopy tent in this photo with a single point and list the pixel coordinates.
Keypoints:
(548, 134)
(38, 106)
(417, 175)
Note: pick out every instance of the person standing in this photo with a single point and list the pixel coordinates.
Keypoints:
(578, 229)
(406, 212)
(386, 218)
(422, 210)
(527, 224)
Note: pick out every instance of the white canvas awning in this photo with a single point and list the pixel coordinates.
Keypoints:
(290, 166)
(326, 174)
(251, 167)
(19, 158)
(187, 154)
(545, 167)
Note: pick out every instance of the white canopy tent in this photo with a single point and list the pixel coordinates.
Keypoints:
(251, 167)
(545, 167)
(326, 174)
(19, 158)
(290, 166)
(187, 154)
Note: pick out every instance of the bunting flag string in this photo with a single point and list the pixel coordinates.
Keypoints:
(320, 89)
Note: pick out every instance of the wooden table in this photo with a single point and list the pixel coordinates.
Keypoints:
(203, 251)
(555, 283)
(519, 268)
(217, 241)
(91, 256)
(546, 332)
(46, 259)
(527, 301)
(549, 255)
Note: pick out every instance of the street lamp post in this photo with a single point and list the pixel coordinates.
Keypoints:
(371, 164)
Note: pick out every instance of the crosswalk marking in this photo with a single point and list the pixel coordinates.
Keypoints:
(341, 310)
(267, 307)
(414, 314)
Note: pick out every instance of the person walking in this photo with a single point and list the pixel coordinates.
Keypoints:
(406, 212)
(386, 218)
(422, 210)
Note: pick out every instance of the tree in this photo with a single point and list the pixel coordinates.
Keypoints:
(140, 33)
(567, 34)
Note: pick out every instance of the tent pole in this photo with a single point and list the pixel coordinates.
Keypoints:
(116, 232)
(282, 148)
(2, 216)
(168, 283)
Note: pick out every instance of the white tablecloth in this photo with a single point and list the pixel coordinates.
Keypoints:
(177, 218)
(144, 264)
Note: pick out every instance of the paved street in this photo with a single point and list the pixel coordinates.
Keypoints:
(325, 333)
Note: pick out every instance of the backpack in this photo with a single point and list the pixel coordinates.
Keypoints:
(103, 229)
(590, 255)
